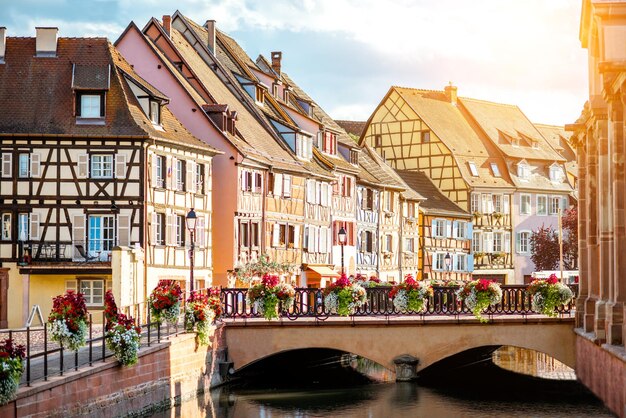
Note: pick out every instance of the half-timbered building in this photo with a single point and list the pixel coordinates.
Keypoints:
(430, 131)
(446, 232)
(92, 160)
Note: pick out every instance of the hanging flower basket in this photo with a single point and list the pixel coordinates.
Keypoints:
(199, 316)
(11, 369)
(123, 336)
(68, 320)
(164, 301)
(480, 294)
(344, 297)
(266, 296)
(215, 304)
(410, 295)
(548, 295)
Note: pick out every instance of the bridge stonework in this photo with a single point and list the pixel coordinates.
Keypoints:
(382, 340)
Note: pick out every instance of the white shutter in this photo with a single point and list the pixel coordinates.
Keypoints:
(435, 264)
(190, 181)
(83, 165)
(78, 232)
(317, 239)
(153, 228)
(325, 194)
(488, 242)
(200, 232)
(433, 228)
(287, 185)
(153, 180)
(35, 165)
(120, 166)
(278, 185)
(455, 229)
(296, 236)
(311, 239)
(507, 242)
(518, 242)
(123, 230)
(207, 179)
(318, 192)
(507, 204)
(170, 232)
(7, 164)
(310, 191)
(275, 235)
(454, 264)
(34, 226)
(448, 229)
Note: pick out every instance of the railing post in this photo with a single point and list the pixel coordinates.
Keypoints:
(90, 340)
(103, 338)
(45, 352)
(27, 356)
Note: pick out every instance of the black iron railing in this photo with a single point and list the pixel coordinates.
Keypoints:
(310, 303)
(46, 358)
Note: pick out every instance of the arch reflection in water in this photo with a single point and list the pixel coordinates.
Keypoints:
(533, 363)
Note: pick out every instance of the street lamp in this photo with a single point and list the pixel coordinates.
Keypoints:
(448, 260)
(342, 241)
(191, 227)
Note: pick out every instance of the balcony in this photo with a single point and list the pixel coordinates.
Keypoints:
(90, 251)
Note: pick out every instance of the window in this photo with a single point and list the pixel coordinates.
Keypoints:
(304, 146)
(556, 173)
(179, 175)
(439, 228)
(497, 203)
(555, 205)
(93, 291)
(498, 242)
(159, 171)
(542, 205)
(476, 242)
(282, 237)
(258, 183)
(286, 185)
(378, 140)
(425, 136)
(459, 229)
(495, 170)
(473, 169)
(439, 261)
(275, 90)
(524, 206)
(244, 234)
(346, 183)
(101, 233)
(388, 243)
(388, 201)
(23, 165)
(90, 105)
(523, 242)
(259, 97)
(367, 199)
(159, 229)
(409, 245)
(5, 233)
(329, 145)
(460, 262)
(523, 170)
(102, 166)
(475, 202)
(23, 221)
(354, 157)
(179, 230)
(410, 209)
(348, 227)
(367, 241)
(254, 234)
(487, 203)
(199, 178)
(155, 112)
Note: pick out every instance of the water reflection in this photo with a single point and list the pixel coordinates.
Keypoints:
(533, 363)
(375, 400)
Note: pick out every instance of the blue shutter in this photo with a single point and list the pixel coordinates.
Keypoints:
(470, 262)
(448, 229)
(455, 229)
(433, 228)
(470, 230)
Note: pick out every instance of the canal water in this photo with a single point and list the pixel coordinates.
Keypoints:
(489, 382)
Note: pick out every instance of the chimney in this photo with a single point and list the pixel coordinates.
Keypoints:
(167, 24)
(3, 43)
(46, 43)
(277, 56)
(209, 25)
(451, 93)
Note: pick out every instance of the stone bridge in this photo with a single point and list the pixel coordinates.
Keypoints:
(384, 339)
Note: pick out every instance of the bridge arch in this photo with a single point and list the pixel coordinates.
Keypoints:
(381, 342)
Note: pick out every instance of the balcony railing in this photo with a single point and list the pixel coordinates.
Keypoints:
(310, 303)
(59, 251)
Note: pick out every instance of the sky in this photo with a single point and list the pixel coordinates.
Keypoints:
(347, 53)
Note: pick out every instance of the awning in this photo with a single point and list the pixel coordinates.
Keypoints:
(322, 270)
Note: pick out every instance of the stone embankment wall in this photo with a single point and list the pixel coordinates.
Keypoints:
(166, 374)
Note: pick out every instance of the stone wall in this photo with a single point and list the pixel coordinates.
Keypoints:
(603, 371)
(166, 374)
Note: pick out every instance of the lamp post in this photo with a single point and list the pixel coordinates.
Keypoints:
(191, 227)
(342, 241)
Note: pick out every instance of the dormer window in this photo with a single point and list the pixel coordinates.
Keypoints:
(535, 144)
(515, 142)
(523, 170)
(286, 95)
(495, 170)
(155, 112)
(90, 105)
(329, 145)
(556, 173)
(304, 146)
(473, 169)
(259, 95)
(354, 157)
(425, 136)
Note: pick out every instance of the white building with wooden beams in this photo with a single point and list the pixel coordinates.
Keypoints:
(80, 132)
(429, 131)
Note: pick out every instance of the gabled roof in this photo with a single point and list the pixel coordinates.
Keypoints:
(36, 94)
(496, 119)
(354, 127)
(559, 138)
(451, 126)
(436, 202)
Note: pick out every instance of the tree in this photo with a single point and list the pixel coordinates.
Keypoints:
(544, 244)
(544, 248)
